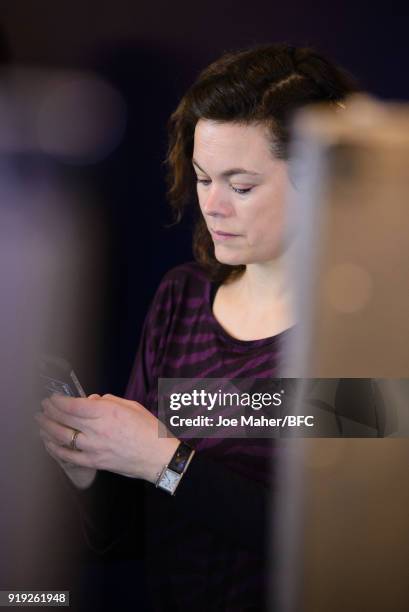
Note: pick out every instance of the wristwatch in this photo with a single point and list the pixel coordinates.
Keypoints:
(171, 475)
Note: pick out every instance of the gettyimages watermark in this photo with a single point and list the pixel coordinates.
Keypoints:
(282, 407)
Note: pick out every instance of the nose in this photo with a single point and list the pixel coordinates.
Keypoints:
(215, 204)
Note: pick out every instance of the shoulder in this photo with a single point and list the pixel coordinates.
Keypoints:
(183, 290)
(190, 270)
(185, 279)
(182, 287)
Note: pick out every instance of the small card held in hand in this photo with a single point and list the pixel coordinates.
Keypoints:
(58, 376)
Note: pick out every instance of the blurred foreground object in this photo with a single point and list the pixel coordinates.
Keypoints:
(51, 233)
(342, 513)
(351, 218)
(342, 529)
(71, 116)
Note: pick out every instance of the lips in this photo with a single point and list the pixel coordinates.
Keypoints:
(218, 233)
(219, 236)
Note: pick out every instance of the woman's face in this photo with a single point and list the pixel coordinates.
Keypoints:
(241, 189)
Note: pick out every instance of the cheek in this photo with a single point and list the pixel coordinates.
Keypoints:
(264, 225)
(261, 220)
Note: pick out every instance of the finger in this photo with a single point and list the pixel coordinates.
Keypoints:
(76, 406)
(52, 429)
(118, 400)
(54, 414)
(46, 439)
(59, 434)
(45, 436)
(68, 455)
(94, 396)
(59, 461)
(48, 450)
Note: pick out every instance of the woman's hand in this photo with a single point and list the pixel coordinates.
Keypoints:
(82, 477)
(116, 435)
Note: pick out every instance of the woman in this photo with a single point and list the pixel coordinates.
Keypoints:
(223, 316)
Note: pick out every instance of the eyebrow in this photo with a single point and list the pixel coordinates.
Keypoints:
(231, 171)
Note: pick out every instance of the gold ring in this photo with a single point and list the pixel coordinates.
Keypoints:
(73, 445)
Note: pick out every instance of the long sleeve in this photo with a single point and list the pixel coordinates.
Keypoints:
(108, 509)
(221, 500)
(112, 505)
(217, 497)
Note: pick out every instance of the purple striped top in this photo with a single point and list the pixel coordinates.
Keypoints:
(205, 546)
(181, 338)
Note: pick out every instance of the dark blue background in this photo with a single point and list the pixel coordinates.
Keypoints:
(152, 51)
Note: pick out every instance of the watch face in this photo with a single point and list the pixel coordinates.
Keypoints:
(169, 481)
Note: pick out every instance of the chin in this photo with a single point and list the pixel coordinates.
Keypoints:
(223, 256)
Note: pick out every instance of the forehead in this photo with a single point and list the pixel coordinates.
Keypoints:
(227, 141)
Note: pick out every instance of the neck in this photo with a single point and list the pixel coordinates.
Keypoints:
(267, 282)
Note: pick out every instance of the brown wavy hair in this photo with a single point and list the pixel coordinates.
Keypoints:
(262, 84)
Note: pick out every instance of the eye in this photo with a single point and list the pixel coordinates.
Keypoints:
(241, 191)
(203, 181)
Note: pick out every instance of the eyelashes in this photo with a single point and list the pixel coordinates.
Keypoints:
(206, 182)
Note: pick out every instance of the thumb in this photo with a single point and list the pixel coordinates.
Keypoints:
(119, 400)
